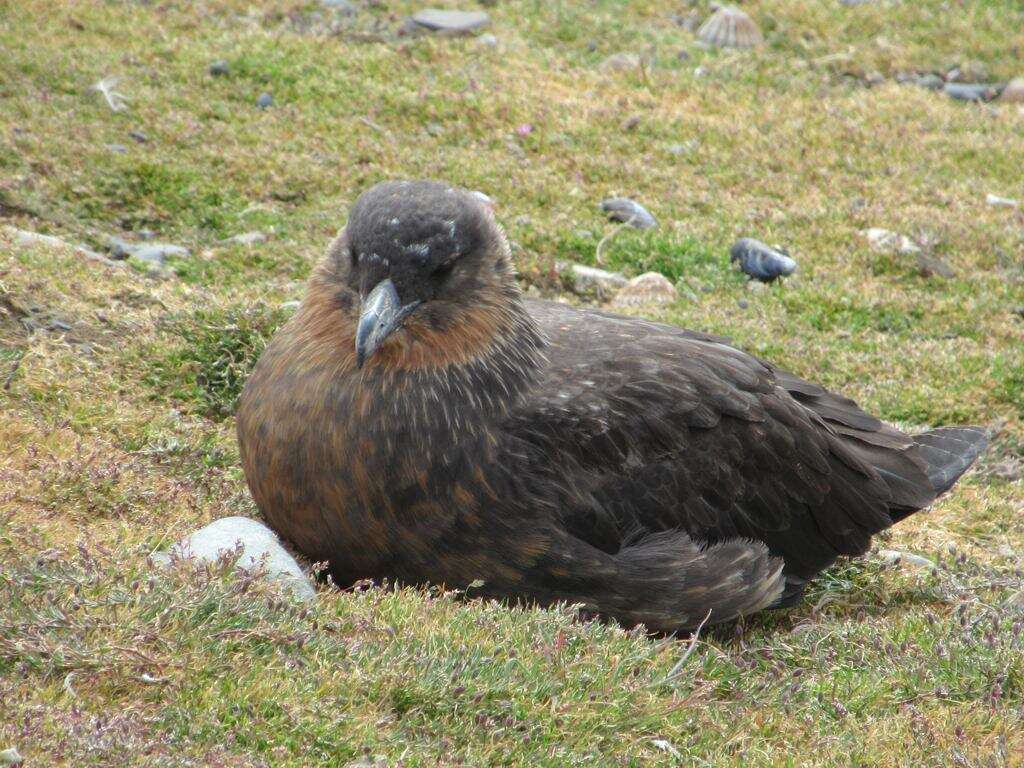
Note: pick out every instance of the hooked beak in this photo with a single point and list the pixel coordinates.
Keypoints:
(381, 315)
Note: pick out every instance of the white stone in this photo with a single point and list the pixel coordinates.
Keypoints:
(890, 242)
(648, 288)
(894, 557)
(1001, 202)
(259, 548)
(451, 21)
(587, 281)
(621, 62)
(246, 238)
(27, 239)
(10, 756)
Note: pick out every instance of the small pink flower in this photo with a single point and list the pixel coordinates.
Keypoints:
(525, 129)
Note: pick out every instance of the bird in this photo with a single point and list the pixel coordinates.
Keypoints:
(419, 421)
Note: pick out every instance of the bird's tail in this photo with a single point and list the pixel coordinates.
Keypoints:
(669, 582)
(949, 452)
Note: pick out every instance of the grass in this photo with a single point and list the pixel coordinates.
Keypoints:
(117, 385)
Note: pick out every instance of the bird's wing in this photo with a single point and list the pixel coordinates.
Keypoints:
(645, 427)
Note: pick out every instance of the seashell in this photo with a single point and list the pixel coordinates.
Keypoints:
(760, 261)
(629, 212)
(649, 288)
(729, 27)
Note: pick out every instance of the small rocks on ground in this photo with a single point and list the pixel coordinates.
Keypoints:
(628, 212)
(451, 22)
(621, 62)
(590, 282)
(729, 27)
(291, 306)
(26, 239)
(894, 557)
(138, 136)
(265, 101)
(488, 40)
(932, 266)
(117, 149)
(220, 68)
(760, 261)
(245, 238)
(968, 72)
(151, 253)
(973, 91)
(648, 288)
(10, 756)
(343, 7)
(1013, 92)
(884, 241)
(930, 80)
(258, 549)
(1001, 202)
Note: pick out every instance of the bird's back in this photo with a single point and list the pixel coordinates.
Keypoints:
(656, 428)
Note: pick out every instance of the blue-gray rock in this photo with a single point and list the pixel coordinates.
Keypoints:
(117, 149)
(151, 253)
(343, 7)
(220, 68)
(265, 101)
(629, 212)
(451, 22)
(931, 81)
(973, 91)
(760, 261)
(257, 546)
(138, 136)
(158, 253)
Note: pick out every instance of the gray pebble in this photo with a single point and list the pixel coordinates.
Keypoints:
(621, 62)
(220, 68)
(629, 212)
(743, 303)
(291, 306)
(931, 81)
(452, 22)
(973, 91)
(761, 262)
(931, 266)
(118, 149)
(265, 101)
(138, 136)
(151, 253)
(343, 7)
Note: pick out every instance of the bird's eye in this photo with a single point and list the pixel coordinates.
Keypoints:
(443, 270)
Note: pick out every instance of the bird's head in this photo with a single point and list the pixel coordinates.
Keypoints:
(429, 270)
